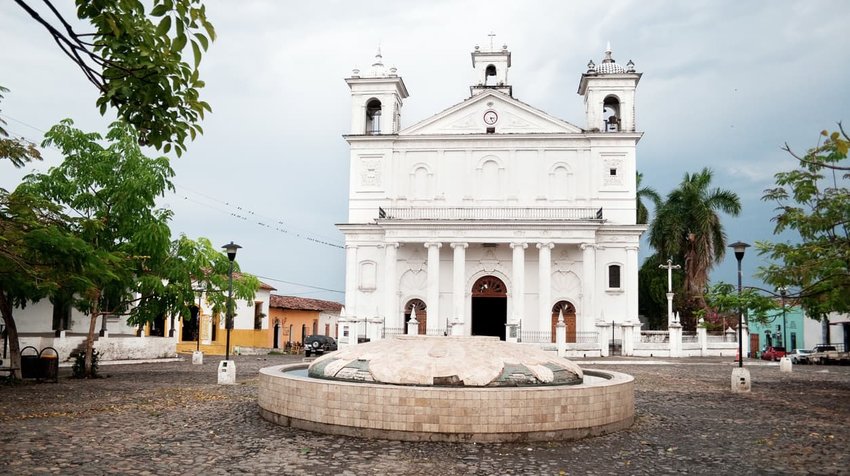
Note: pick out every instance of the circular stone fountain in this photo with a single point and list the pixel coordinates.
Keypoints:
(447, 389)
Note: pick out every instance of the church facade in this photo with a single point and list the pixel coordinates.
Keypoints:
(493, 217)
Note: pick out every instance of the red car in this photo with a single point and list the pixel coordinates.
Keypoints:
(773, 353)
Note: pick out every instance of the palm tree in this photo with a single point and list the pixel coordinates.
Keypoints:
(642, 194)
(687, 226)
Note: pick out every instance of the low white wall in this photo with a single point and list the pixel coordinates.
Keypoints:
(109, 348)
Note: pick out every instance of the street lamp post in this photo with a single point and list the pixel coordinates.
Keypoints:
(231, 249)
(783, 291)
(739, 248)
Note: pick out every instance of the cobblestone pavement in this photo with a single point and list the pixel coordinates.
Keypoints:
(172, 418)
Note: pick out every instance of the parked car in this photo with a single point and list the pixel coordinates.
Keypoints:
(318, 344)
(800, 356)
(824, 348)
(773, 353)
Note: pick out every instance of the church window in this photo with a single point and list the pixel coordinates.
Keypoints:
(612, 172)
(373, 117)
(491, 130)
(490, 71)
(611, 114)
(614, 276)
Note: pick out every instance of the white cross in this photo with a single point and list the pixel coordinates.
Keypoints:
(491, 35)
(670, 267)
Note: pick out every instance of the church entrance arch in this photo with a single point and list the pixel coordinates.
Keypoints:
(569, 319)
(421, 314)
(489, 307)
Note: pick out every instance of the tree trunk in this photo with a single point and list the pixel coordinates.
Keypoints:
(12, 333)
(90, 338)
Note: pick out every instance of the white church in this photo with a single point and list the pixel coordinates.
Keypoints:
(493, 217)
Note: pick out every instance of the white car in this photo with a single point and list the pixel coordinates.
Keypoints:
(800, 356)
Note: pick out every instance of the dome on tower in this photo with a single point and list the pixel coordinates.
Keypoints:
(609, 66)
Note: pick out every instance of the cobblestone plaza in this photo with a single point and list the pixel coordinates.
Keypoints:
(172, 418)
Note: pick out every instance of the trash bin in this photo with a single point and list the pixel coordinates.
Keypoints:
(29, 362)
(48, 362)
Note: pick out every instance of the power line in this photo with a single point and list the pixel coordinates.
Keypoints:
(23, 123)
(246, 214)
(275, 224)
(299, 284)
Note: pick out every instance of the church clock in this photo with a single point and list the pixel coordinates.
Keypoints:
(490, 117)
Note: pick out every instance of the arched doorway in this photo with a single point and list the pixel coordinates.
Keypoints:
(489, 307)
(276, 334)
(421, 314)
(569, 319)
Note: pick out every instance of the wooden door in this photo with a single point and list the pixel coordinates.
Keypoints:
(569, 319)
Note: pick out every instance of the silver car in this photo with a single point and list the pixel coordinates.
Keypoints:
(800, 356)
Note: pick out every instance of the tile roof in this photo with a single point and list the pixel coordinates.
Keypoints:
(303, 304)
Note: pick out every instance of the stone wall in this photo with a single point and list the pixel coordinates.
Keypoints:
(109, 348)
(443, 413)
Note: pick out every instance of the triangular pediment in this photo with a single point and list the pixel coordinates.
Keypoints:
(512, 117)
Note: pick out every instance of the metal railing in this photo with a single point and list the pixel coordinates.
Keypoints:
(536, 337)
(436, 332)
(481, 213)
(392, 331)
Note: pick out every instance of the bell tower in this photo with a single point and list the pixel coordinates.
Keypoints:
(609, 95)
(491, 69)
(376, 99)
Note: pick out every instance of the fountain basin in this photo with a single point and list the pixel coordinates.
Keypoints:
(427, 413)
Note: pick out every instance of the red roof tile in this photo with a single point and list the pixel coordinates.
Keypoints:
(303, 304)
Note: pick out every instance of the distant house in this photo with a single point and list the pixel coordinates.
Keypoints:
(771, 332)
(251, 326)
(294, 318)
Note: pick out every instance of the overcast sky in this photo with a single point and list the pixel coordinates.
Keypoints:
(725, 84)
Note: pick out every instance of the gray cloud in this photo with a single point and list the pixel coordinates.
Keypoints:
(725, 84)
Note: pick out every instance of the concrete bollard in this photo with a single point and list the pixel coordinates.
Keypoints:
(227, 372)
(785, 365)
(197, 357)
(740, 380)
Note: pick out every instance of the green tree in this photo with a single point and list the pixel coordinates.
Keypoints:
(135, 58)
(687, 227)
(643, 194)
(813, 200)
(133, 267)
(39, 255)
(192, 266)
(723, 299)
(18, 150)
(652, 291)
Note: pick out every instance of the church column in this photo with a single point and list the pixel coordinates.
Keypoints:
(518, 292)
(544, 269)
(391, 311)
(588, 285)
(458, 287)
(433, 302)
(351, 280)
(631, 282)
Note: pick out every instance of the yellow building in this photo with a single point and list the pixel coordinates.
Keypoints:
(251, 327)
(294, 318)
